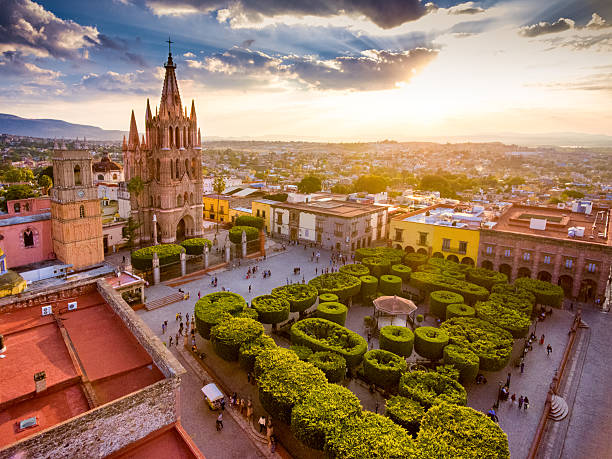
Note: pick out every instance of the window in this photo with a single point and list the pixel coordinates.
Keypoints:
(170, 137)
(263, 214)
(212, 208)
(82, 211)
(157, 170)
(258, 212)
(279, 219)
(463, 246)
(306, 233)
(177, 138)
(176, 167)
(507, 253)
(77, 175)
(28, 238)
(114, 176)
(398, 234)
(222, 210)
(546, 259)
(17, 207)
(591, 267)
(569, 263)
(489, 250)
(100, 177)
(278, 230)
(446, 244)
(526, 256)
(187, 167)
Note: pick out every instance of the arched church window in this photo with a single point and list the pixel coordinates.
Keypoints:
(170, 140)
(82, 211)
(17, 207)
(185, 138)
(159, 201)
(193, 168)
(177, 138)
(114, 176)
(28, 238)
(179, 202)
(157, 170)
(100, 177)
(186, 198)
(187, 167)
(77, 175)
(176, 168)
(171, 169)
(150, 201)
(191, 198)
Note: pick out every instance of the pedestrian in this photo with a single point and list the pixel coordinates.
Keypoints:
(548, 349)
(199, 294)
(269, 429)
(262, 424)
(249, 413)
(176, 317)
(508, 380)
(186, 318)
(272, 444)
(220, 421)
(520, 402)
(165, 324)
(513, 398)
(163, 328)
(522, 366)
(376, 408)
(242, 407)
(369, 336)
(249, 377)
(525, 403)
(177, 339)
(170, 342)
(181, 328)
(541, 340)
(222, 404)
(571, 306)
(249, 288)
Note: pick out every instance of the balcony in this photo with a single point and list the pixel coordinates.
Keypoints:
(454, 250)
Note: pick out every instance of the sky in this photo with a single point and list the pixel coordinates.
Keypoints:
(336, 70)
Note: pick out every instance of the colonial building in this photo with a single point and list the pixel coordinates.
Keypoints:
(168, 162)
(107, 171)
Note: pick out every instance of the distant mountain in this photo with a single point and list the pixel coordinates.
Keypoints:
(48, 128)
(560, 139)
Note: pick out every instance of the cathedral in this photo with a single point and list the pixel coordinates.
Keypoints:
(164, 169)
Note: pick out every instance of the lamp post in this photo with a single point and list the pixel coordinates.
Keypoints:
(154, 229)
(499, 386)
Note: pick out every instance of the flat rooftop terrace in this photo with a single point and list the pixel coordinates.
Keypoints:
(443, 216)
(89, 357)
(345, 209)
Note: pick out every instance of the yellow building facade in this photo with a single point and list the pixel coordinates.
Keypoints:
(263, 208)
(216, 208)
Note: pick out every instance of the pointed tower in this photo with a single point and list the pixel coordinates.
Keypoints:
(170, 104)
(133, 136)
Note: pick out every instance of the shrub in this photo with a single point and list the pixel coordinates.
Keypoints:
(454, 274)
(383, 368)
(327, 298)
(213, 308)
(513, 297)
(355, 269)
(449, 431)
(323, 335)
(302, 352)
(142, 259)
(396, 339)
(427, 282)
(429, 342)
(394, 256)
(235, 234)
(545, 292)
(250, 350)
(195, 246)
(448, 370)
(248, 220)
(427, 268)
(405, 412)
(459, 310)
(270, 358)
(415, 259)
(300, 296)
(333, 311)
(430, 388)
(228, 336)
(439, 301)
(464, 360)
(319, 412)
(377, 266)
(282, 386)
(369, 286)
(371, 436)
(509, 319)
(330, 363)
(390, 285)
(401, 271)
(486, 277)
(340, 284)
(249, 313)
(448, 265)
(492, 345)
(271, 309)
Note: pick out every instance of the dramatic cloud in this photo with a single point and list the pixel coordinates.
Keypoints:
(597, 22)
(595, 82)
(139, 82)
(465, 8)
(12, 64)
(543, 28)
(598, 42)
(386, 14)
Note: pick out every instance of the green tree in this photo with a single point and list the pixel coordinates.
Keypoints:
(371, 184)
(574, 194)
(15, 174)
(45, 182)
(219, 187)
(309, 184)
(130, 231)
(17, 192)
(434, 182)
(341, 189)
(136, 186)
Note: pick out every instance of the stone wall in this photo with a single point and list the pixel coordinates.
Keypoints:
(49, 295)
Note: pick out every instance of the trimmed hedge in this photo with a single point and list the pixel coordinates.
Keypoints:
(271, 309)
(302, 352)
(228, 336)
(327, 298)
(545, 292)
(415, 259)
(142, 259)
(323, 335)
(355, 269)
(195, 246)
(427, 282)
(300, 296)
(492, 344)
(215, 307)
(396, 339)
(369, 286)
(429, 342)
(427, 268)
(340, 284)
(271, 358)
(451, 431)
(454, 274)
(250, 350)
(401, 271)
(330, 363)
(509, 319)
(333, 311)
(370, 436)
(390, 285)
(377, 266)
(459, 310)
(440, 300)
(249, 313)
(513, 297)
(235, 234)
(448, 370)
(430, 388)
(464, 360)
(319, 413)
(394, 256)
(486, 277)
(447, 265)
(383, 368)
(248, 220)
(405, 412)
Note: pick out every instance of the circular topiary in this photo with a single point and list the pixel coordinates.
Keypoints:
(492, 344)
(390, 285)
(355, 269)
(330, 363)
(271, 309)
(249, 220)
(369, 286)
(439, 301)
(393, 255)
(327, 298)
(228, 336)
(235, 234)
(302, 352)
(215, 307)
(486, 277)
(142, 259)
(340, 284)
(428, 282)
(448, 265)
(377, 265)
(545, 292)
(271, 358)
(463, 360)
(405, 412)
(427, 268)
(383, 368)
(457, 431)
(334, 311)
(249, 351)
(300, 296)
(513, 297)
(396, 339)
(429, 342)
(249, 313)
(454, 274)
(459, 310)
(195, 246)
(430, 388)
(415, 259)
(318, 413)
(401, 271)
(509, 319)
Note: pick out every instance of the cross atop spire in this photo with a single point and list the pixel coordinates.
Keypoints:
(169, 43)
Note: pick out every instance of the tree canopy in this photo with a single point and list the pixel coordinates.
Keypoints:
(309, 184)
(371, 184)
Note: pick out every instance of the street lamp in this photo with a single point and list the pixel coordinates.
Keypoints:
(499, 386)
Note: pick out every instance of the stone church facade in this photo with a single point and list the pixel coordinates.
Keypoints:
(168, 162)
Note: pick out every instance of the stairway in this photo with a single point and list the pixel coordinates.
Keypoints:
(164, 300)
(558, 408)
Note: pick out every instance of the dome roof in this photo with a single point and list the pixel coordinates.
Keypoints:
(106, 165)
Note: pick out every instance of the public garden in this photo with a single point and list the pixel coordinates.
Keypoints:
(342, 378)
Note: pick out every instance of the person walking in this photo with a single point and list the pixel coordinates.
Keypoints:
(219, 422)
(249, 413)
(548, 349)
(262, 424)
(522, 366)
(541, 340)
(520, 402)
(170, 342)
(513, 399)
(525, 403)
(176, 339)
(249, 288)
(163, 328)
(508, 380)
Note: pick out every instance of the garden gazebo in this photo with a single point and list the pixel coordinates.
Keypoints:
(386, 308)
